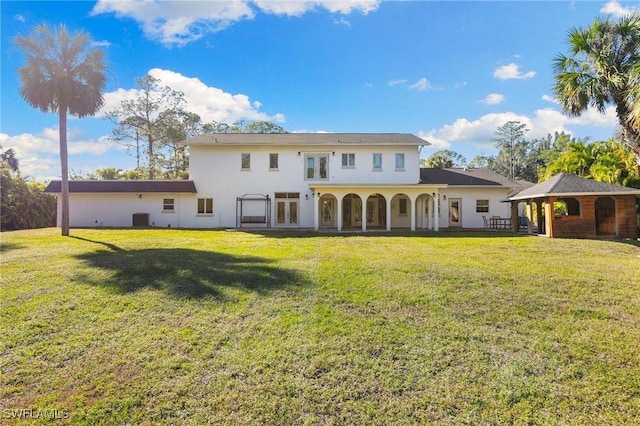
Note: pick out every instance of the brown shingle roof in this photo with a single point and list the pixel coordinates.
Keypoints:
(139, 186)
(565, 184)
(467, 177)
(306, 139)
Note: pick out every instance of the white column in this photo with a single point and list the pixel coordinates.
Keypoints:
(364, 213)
(339, 213)
(388, 208)
(316, 208)
(413, 212)
(436, 221)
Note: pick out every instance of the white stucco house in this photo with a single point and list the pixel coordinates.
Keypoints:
(360, 182)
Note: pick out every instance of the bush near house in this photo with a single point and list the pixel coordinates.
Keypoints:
(225, 327)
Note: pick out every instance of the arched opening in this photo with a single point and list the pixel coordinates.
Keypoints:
(400, 211)
(376, 212)
(605, 216)
(566, 207)
(351, 211)
(328, 211)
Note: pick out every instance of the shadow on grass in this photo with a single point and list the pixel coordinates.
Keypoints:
(4, 247)
(184, 272)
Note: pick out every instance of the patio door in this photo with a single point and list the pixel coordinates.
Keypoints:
(287, 204)
(327, 211)
(455, 212)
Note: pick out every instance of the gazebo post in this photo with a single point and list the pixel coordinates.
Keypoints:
(515, 223)
(529, 217)
(549, 216)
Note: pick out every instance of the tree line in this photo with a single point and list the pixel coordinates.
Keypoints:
(23, 202)
(536, 160)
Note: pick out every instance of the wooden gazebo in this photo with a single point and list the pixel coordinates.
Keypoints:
(569, 206)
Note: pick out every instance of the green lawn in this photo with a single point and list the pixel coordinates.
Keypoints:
(209, 327)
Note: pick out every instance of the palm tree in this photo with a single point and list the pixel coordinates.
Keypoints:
(601, 70)
(64, 75)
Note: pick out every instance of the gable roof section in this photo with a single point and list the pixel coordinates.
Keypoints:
(123, 186)
(467, 177)
(565, 184)
(312, 139)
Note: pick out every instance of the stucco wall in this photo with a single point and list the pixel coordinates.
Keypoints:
(468, 196)
(116, 210)
(218, 174)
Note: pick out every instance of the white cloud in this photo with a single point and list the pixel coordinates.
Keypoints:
(549, 98)
(38, 154)
(614, 8)
(422, 84)
(177, 23)
(180, 22)
(512, 72)
(543, 122)
(396, 82)
(210, 103)
(300, 7)
(493, 99)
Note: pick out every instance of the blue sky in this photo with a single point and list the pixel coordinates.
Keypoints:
(451, 72)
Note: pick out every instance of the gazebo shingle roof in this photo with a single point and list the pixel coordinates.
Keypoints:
(565, 184)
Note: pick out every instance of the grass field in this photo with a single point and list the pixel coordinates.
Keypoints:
(222, 327)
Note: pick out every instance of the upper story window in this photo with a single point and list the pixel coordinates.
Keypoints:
(348, 160)
(273, 161)
(377, 161)
(245, 161)
(400, 161)
(316, 166)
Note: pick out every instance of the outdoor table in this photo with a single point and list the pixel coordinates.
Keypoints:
(500, 222)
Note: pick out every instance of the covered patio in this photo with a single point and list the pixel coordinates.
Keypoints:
(569, 206)
(375, 207)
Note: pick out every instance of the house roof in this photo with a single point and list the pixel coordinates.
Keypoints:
(312, 139)
(566, 185)
(123, 186)
(468, 177)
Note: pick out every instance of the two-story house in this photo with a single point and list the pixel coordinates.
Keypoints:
(354, 181)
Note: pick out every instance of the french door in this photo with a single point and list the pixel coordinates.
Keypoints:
(287, 208)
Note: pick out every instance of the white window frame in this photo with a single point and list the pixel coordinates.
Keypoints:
(245, 161)
(377, 155)
(348, 160)
(273, 156)
(168, 205)
(207, 206)
(480, 206)
(316, 166)
(400, 156)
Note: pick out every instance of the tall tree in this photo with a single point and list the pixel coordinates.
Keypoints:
(512, 149)
(603, 69)
(145, 117)
(62, 74)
